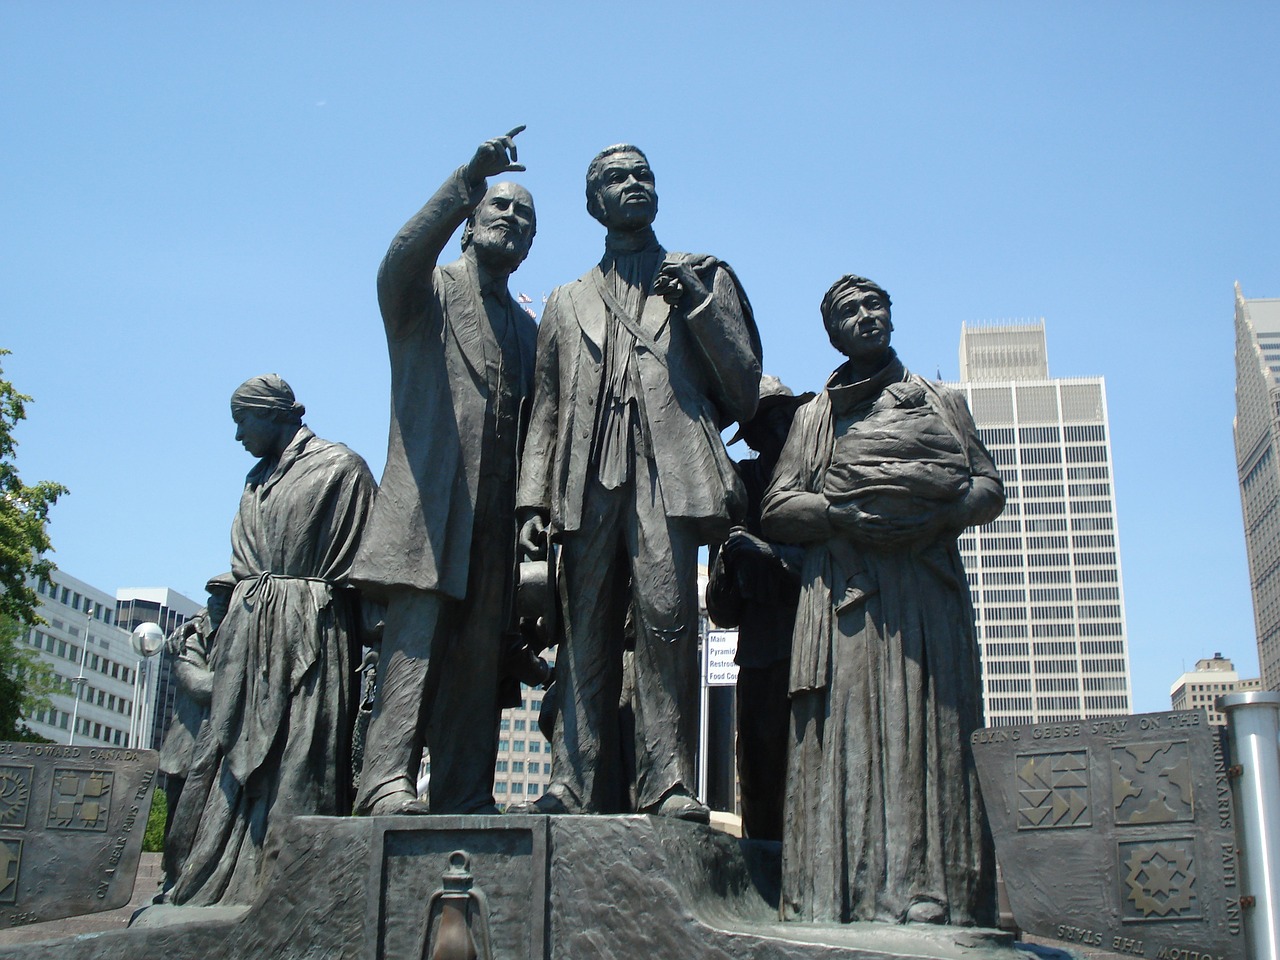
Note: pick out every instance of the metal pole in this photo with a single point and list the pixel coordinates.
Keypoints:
(1254, 727)
(76, 686)
(143, 725)
(134, 717)
(703, 708)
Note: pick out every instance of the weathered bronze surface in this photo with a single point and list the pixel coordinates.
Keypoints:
(640, 363)
(71, 826)
(1117, 833)
(440, 551)
(880, 474)
(277, 742)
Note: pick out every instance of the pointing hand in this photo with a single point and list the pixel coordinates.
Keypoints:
(494, 157)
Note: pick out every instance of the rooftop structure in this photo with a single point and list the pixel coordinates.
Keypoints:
(1211, 679)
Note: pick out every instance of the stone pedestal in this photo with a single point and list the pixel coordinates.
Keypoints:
(520, 888)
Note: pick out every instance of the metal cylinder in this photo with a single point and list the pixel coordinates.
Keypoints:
(1254, 724)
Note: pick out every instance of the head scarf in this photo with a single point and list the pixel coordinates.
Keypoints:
(846, 287)
(267, 394)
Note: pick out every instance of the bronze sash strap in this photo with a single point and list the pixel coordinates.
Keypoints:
(632, 326)
(629, 323)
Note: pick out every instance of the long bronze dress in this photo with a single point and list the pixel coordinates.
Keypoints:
(277, 742)
(883, 810)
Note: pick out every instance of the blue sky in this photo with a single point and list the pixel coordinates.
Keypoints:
(194, 194)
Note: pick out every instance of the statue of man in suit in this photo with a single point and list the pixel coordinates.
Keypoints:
(439, 549)
(641, 362)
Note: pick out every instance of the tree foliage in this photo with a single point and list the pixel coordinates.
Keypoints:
(25, 681)
(153, 839)
(24, 515)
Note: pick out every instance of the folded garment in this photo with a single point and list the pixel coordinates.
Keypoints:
(898, 461)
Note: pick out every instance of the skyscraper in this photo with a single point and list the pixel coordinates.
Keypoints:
(1256, 427)
(1045, 575)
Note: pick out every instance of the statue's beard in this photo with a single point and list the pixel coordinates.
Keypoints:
(499, 249)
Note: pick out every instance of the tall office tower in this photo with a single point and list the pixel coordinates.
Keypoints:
(1045, 575)
(103, 697)
(1257, 433)
(169, 610)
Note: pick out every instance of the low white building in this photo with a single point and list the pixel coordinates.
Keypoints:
(102, 697)
(1211, 679)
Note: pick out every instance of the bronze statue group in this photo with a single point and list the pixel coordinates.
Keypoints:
(592, 441)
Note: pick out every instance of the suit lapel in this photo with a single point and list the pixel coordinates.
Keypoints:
(466, 313)
(589, 310)
(654, 321)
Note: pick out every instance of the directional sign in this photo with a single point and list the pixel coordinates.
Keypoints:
(719, 670)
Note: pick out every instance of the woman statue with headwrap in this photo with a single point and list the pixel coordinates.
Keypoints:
(277, 743)
(880, 474)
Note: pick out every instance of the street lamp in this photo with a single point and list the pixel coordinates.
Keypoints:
(147, 640)
(77, 688)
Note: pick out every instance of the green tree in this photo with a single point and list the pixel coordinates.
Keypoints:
(24, 516)
(25, 682)
(153, 839)
(24, 541)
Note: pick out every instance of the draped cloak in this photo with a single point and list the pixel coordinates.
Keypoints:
(277, 743)
(883, 809)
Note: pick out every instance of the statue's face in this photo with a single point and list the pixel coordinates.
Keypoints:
(503, 226)
(626, 198)
(859, 325)
(219, 603)
(767, 432)
(256, 430)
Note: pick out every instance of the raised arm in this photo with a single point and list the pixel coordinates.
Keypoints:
(404, 279)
